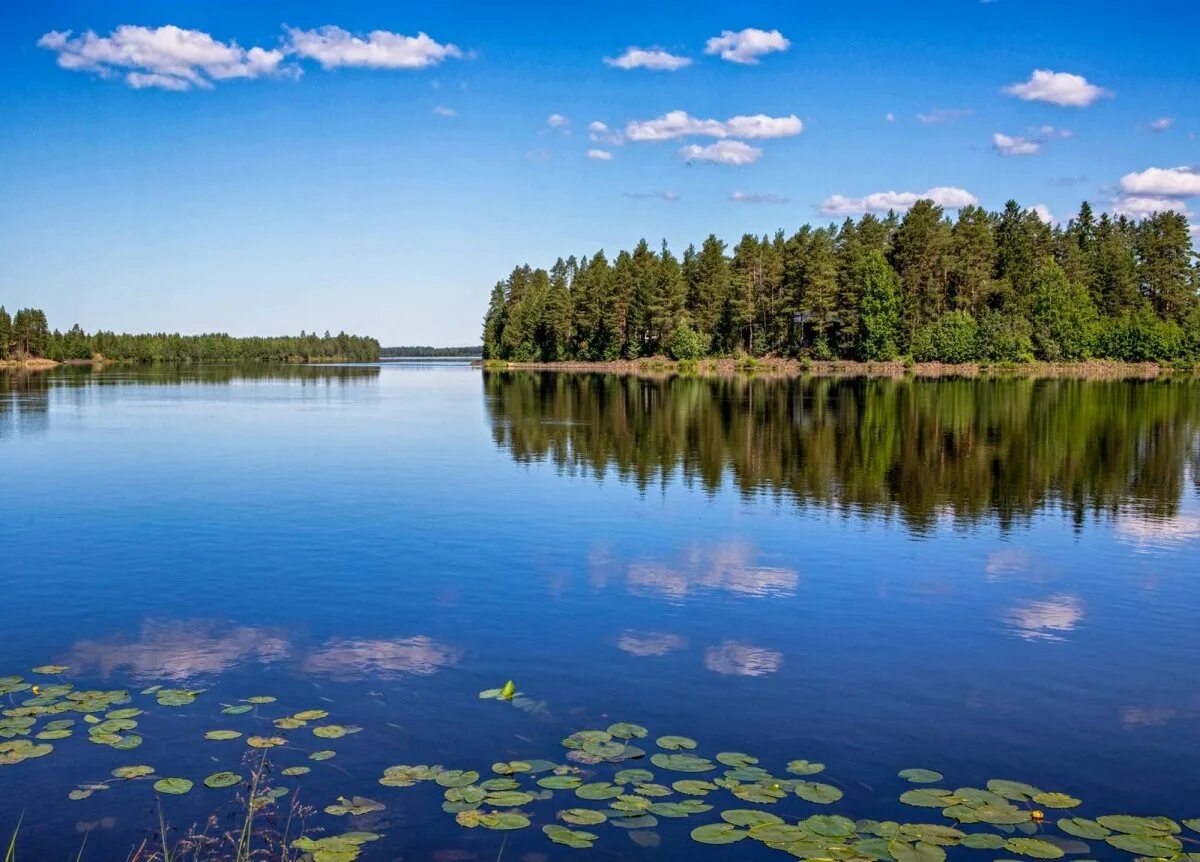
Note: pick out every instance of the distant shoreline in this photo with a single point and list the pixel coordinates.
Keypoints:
(728, 367)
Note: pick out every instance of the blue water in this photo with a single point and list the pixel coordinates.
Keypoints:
(369, 541)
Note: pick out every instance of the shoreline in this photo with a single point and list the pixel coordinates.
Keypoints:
(728, 367)
(29, 364)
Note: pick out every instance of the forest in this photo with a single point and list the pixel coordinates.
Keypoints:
(426, 352)
(984, 286)
(26, 335)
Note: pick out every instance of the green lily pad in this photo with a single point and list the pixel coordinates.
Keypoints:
(288, 723)
(1194, 825)
(51, 669)
(1017, 791)
(334, 731)
(573, 838)
(222, 779)
(355, 806)
(804, 767)
(718, 833)
(222, 734)
(749, 817)
(311, 715)
(324, 754)
(236, 709)
(511, 767)
(633, 776)
(870, 848)
(735, 759)
(54, 734)
(759, 793)
(919, 852)
(1034, 847)
(265, 741)
(813, 791)
(259, 699)
(694, 786)
(598, 790)
(1081, 827)
(829, 825)
(508, 798)
(457, 778)
(625, 730)
(296, 770)
(920, 776)
(675, 743)
(1056, 800)
(560, 782)
(1002, 815)
(582, 816)
(929, 797)
(129, 772)
(1160, 846)
(682, 763)
(932, 833)
(651, 790)
(173, 786)
(175, 696)
(1131, 825)
(983, 841)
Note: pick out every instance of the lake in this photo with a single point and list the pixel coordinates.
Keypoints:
(993, 579)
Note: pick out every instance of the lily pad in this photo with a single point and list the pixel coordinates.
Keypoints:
(222, 734)
(173, 786)
(259, 699)
(324, 754)
(1081, 827)
(236, 709)
(130, 772)
(222, 779)
(682, 763)
(804, 767)
(919, 852)
(633, 776)
(560, 782)
(51, 669)
(1034, 847)
(1056, 800)
(1017, 791)
(813, 791)
(334, 731)
(718, 833)
(983, 841)
(694, 787)
(311, 715)
(457, 778)
(573, 838)
(598, 790)
(735, 759)
(749, 817)
(266, 741)
(1131, 825)
(354, 806)
(1160, 846)
(582, 816)
(625, 730)
(296, 770)
(929, 797)
(675, 743)
(920, 776)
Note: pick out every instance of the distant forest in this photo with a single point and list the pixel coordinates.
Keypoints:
(420, 352)
(984, 286)
(26, 335)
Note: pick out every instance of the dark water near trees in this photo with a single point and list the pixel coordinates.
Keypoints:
(993, 579)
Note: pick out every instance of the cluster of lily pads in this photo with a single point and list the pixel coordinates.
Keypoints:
(602, 780)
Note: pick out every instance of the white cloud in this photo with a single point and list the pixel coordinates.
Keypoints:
(891, 118)
(1144, 206)
(722, 153)
(333, 47)
(557, 121)
(1057, 88)
(1043, 212)
(1053, 132)
(681, 124)
(602, 134)
(169, 57)
(600, 155)
(648, 58)
(640, 196)
(949, 197)
(762, 126)
(1007, 145)
(943, 115)
(443, 111)
(746, 46)
(1163, 182)
(757, 198)
(1161, 124)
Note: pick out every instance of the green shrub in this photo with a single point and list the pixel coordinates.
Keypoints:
(1063, 317)
(685, 344)
(1142, 337)
(952, 338)
(1004, 338)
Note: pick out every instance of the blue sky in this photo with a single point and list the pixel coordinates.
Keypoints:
(382, 183)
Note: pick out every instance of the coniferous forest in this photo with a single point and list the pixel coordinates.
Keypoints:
(984, 286)
(26, 335)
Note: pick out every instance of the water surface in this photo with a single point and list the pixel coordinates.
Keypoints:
(989, 578)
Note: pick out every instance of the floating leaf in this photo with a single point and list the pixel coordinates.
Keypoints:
(675, 743)
(259, 699)
(129, 772)
(1056, 800)
(296, 770)
(457, 778)
(511, 767)
(1081, 827)
(222, 734)
(266, 741)
(354, 806)
(651, 790)
(334, 731)
(1002, 815)
(829, 825)
(694, 787)
(173, 786)
(625, 730)
(682, 762)
(311, 715)
(598, 790)
(735, 759)
(51, 669)
(509, 798)
(929, 797)
(1194, 825)
(919, 852)
(288, 723)
(920, 776)
(1138, 825)
(324, 754)
(175, 696)
(582, 816)
(983, 841)
(235, 709)
(560, 782)
(718, 833)
(1147, 845)
(569, 837)
(633, 776)
(222, 779)
(1015, 790)
(1035, 847)
(641, 821)
(761, 794)
(932, 833)
(749, 817)
(813, 791)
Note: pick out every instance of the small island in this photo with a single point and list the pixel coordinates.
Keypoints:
(1103, 295)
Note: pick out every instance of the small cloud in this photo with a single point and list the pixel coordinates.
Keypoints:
(680, 124)
(557, 121)
(722, 153)
(746, 46)
(890, 117)
(642, 196)
(1161, 124)
(648, 58)
(602, 134)
(1043, 212)
(950, 197)
(943, 115)
(600, 155)
(443, 111)
(1006, 145)
(1166, 182)
(1058, 88)
(1139, 207)
(1052, 132)
(763, 126)
(757, 198)
(334, 47)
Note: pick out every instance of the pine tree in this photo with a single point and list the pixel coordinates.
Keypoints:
(973, 259)
(5, 333)
(880, 311)
(921, 258)
(1164, 264)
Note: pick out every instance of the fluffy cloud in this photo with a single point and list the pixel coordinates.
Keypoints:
(1163, 182)
(1057, 88)
(949, 197)
(333, 47)
(557, 121)
(600, 155)
(1161, 124)
(443, 111)
(722, 153)
(168, 58)
(1144, 206)
(680, 124)
(602, 134)
(1043, 212)
(757, 198)
(648, 58)
(943, 115)
(746, 46)
(1006, 145)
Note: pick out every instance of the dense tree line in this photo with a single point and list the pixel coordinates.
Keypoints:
(422, 352)
(26, 335)
(984, 286)
(999, 448)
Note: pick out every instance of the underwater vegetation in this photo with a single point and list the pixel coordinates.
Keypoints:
(618, 777)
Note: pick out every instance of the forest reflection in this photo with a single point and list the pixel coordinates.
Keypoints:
(920, 450)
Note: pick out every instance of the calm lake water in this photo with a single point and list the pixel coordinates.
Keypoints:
(993, 579)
